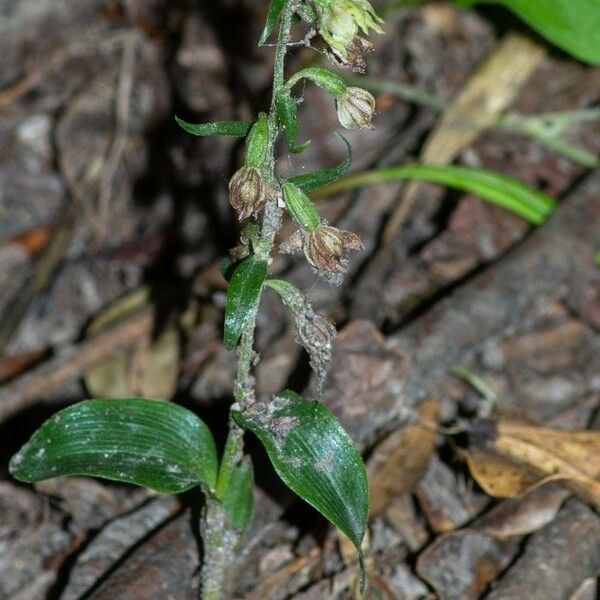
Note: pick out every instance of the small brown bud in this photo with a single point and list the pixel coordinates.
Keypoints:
(324, 248)
(355, 109)
(247, 192)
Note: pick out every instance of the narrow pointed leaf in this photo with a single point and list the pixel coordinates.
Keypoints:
(151, 443)
(242, 297)
(309, 182)
(227, 128)
(316, 458)
(530, 204)
(239, 498)
(287, 115)
(274, 12)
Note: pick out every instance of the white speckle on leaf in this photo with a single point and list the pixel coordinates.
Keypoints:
(40, 453)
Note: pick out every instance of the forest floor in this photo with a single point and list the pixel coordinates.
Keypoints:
(113, 222)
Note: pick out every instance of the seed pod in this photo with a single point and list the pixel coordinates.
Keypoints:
(355, 109)
(301, 207)
(247, 192)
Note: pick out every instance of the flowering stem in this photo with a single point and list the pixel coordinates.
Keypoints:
(220, 539)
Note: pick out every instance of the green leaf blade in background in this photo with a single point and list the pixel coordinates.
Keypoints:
(573, 25)
(315, 458)
(227, 128)
(309, 182)
(150, 443)
(530, 204)
(242, 297)
(239, 498)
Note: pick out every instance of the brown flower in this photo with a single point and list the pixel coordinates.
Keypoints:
(247, 192)
(357, 55)
(324, 248)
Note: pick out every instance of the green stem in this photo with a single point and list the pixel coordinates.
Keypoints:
(219, 538)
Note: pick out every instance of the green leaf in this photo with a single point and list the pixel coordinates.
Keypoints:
(513, 195)
(573, 25)
(230, 128)
(242, 297)
(316, 458)
(275, 10)
(311, 181)
(151, 443)
(239, 498)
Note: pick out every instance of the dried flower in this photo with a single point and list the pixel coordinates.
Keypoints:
(340, 22)
(315, 333)
(247, 192)
(324, 248)
(355, 109)
(357, 54)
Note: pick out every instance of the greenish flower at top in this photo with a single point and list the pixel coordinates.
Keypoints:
(340, 22)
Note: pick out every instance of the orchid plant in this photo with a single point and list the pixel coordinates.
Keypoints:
(169, 449)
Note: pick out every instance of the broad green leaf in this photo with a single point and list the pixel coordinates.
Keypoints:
(239, 498)
(311, 181)
(242, 297)
(513, 195)
(573, 25)
(316, 458)
(229, 128)
(151, 443)
(275, 10)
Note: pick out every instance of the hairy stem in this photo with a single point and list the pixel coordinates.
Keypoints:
(220, 539)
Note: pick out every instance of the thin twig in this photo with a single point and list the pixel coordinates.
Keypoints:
(115, 154)
(54, 373)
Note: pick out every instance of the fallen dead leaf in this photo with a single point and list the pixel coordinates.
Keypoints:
(401, 459)
(34, 240)
(509, 459)
(148, 368)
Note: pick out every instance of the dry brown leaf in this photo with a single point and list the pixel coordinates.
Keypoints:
(401, 459)
(34, 240)
(509, 459)
(149, 368)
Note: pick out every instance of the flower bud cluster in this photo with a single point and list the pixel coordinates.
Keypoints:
(339, 23)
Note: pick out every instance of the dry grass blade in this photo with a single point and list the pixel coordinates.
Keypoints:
(486, 95)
